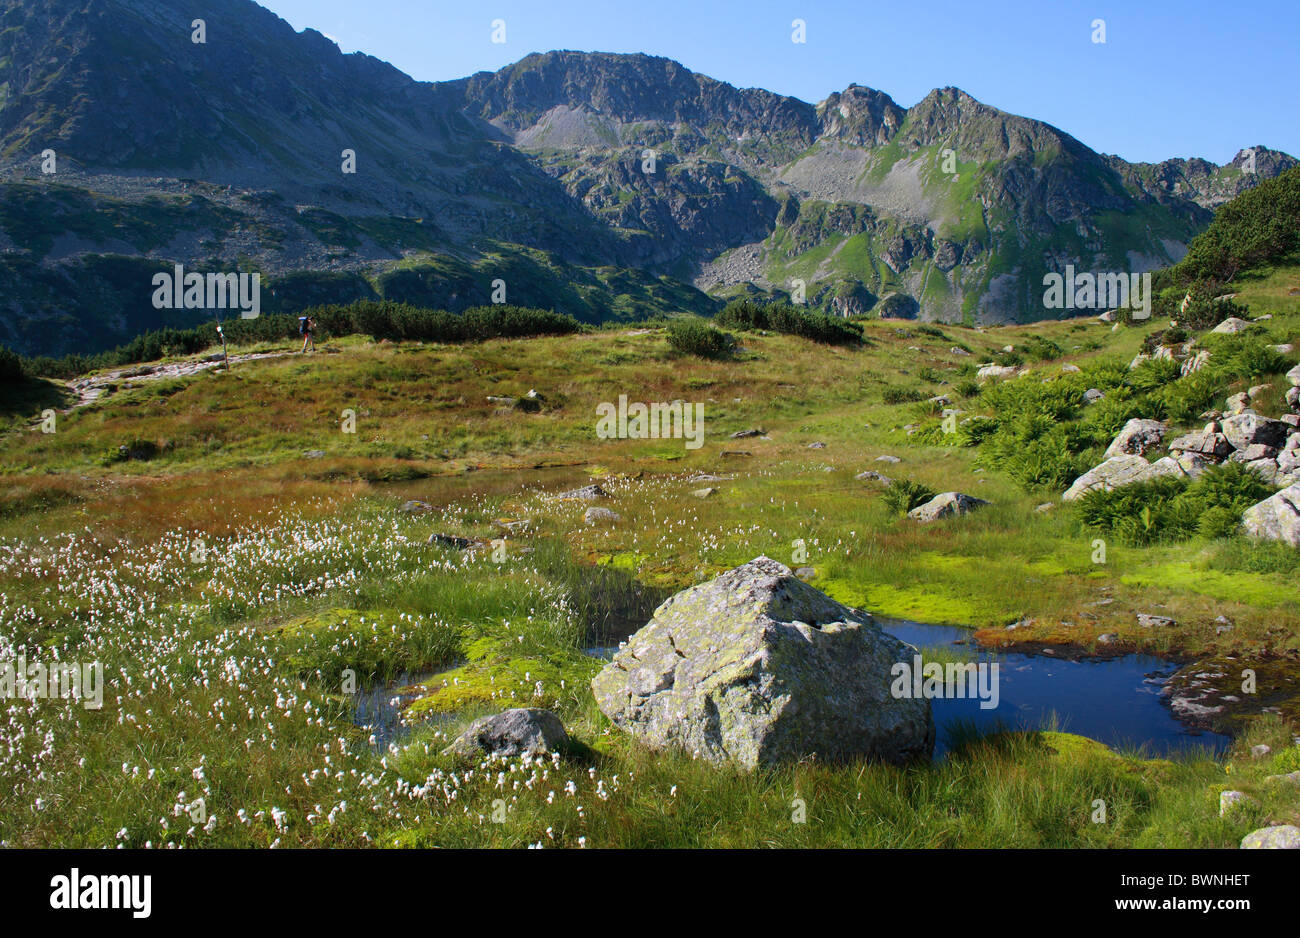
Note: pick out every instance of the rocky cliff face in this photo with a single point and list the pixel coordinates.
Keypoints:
(230, 153)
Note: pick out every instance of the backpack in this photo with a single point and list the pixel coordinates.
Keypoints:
(302, 325)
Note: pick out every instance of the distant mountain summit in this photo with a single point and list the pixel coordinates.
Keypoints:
(605, 185)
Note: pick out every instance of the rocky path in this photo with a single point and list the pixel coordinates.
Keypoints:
(90, 389)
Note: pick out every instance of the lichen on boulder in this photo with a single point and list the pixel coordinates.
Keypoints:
(756, 668)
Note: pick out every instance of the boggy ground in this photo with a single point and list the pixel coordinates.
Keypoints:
(246, 553)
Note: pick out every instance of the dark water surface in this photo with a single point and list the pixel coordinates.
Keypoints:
(1115, 701)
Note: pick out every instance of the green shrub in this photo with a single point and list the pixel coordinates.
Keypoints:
(1173, 509)
(11, 367)
(696, 337)
(899, 395)
(790, 320)
(903, 495)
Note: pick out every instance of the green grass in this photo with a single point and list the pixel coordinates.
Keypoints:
(311, 571)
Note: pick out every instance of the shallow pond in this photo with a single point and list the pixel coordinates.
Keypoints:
(1115, 701)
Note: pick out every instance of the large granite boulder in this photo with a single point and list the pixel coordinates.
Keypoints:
(1113, 473)
(946, 505)
(1137, 438)
(1245, 430)
(513, 733)
(1276, 518)
(756, 668)
(1181, 466)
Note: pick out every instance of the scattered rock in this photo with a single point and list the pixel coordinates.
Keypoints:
(705, 492)
(314, 454)
(1231, 326)
(806, 573)
(598, 515)
(1092, 396)
(1260, 751)
(1293, 376)
(415, 506)
(454, 541)
(1137, 438)
(585, 493)
(1045, 506)
(1229, 799)
(888, 459)
(747, 434)
(757, 668)
(1209, 442)
(872, 476)
(1280, 837)
(513, 733)
(996, 371)
(1149, 620)
(817, 445)
(1276, 518)
(1113, 473)
(1291, 778)
(1070, 368)
(1189, 465)
(945, 505)
(1107, 638)
(1244, 430)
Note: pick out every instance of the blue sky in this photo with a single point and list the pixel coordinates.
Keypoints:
(1186, 78)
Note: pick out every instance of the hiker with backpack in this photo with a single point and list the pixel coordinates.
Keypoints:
(307, 328)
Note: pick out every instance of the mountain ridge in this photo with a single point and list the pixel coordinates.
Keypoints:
(228, 154)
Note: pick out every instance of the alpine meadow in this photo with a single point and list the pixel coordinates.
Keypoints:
(591, 453)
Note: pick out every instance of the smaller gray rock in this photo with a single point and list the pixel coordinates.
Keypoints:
(1260, 751)
(705, 492)
(1291, 778)
(1137, 438)
(1111, 474)
(454, 541)
(946, 505)
(1293, 376)
(1093, 395)
(1231, 799)
(888, 459)
(1149, 620)
(1231, 326)
(1107, 638)
(415, 506)
(585, 493)
(873, 476)
(512, 733)
(598, 515)
(747, 434)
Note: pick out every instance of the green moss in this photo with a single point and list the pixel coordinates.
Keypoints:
(496, 675)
